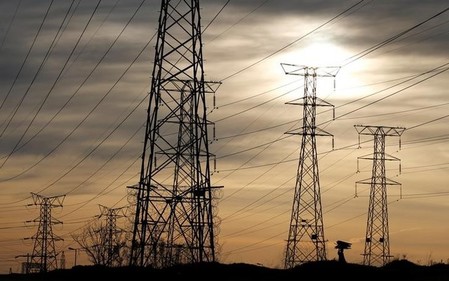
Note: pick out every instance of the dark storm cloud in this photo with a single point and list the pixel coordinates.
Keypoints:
(394, 10)
(94, 87)
(355, 30)
(100, 34)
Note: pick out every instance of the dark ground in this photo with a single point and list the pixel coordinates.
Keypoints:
(325, 270)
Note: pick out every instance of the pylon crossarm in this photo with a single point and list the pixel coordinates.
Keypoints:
(298, 131)
(304, 132)
(391, 182)
(292, 69)
(211, 87)
(318, 71)
(384, 130)
(321, 102)
(296, 101)
(365, 181)
(56, 221)
(369, 156)
(322, 133)
(389, 157)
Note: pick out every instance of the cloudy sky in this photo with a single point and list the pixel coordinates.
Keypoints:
(74, 78)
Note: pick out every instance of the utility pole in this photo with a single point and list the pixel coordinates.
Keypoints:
(306, 240)
(43, 258)
(377, 238)
(75, 254)
(174, 215)
(111, 234)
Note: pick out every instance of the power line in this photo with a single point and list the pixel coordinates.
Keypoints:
(430, 71)
(257, 95)
(396, 112)
(399, 91)
(94, 108)
(240, 20)
(17, 147)
(340, 117)
(22, 66)
(10, 23)
(47, 55)
(345, 178)
(216, 15)
(255, 106)
(269, 165)
(430, 121)
(293, 42)
(391, 39)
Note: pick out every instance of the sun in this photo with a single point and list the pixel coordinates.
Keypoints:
(321, 54)
(326, 55)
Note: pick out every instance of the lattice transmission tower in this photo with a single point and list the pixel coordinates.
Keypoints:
(306, 240)
(44, 256)
(174, 215)
(111, 235)
(377, 238)
(62, 261)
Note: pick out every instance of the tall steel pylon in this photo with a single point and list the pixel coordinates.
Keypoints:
(44, 256)
(377, 238)
(174, 217)
(305, 240)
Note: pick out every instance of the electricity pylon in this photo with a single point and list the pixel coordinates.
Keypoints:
(43, 258)
(306, 233)
(62, 261)
(174, 214)
(111, 234)
(377, 238)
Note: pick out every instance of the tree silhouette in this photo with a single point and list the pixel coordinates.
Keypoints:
(95, 241)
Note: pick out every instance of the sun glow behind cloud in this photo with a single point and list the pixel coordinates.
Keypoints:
(321, 54)
(324, 53)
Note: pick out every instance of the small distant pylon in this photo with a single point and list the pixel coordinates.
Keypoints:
(62, 261)
(306, 240)
(43, 258)
(377, 238)
(111, 234)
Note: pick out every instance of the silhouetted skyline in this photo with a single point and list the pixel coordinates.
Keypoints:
(72, 114)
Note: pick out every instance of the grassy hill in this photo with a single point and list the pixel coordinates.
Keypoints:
(325, 270)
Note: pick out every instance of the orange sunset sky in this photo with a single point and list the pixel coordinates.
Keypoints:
(74, 81)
